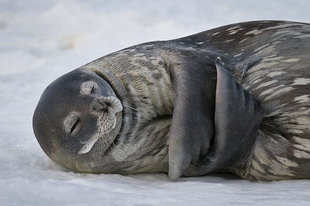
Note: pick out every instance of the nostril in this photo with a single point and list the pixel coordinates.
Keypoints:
(99, 107)
(102, 100)
(108, 104)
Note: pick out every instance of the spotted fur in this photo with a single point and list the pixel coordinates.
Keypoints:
(269, 59)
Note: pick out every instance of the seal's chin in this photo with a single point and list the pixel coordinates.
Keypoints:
(109, 131)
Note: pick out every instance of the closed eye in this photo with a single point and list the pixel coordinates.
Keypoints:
(92, 90)
(89, 87)
(72, 124)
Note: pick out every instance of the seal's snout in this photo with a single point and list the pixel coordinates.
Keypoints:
(111, 105)
(99, 106)
(106, 109)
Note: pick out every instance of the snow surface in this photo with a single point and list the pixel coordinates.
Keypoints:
(41, 40)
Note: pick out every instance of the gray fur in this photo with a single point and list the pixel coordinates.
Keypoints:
(186, 113)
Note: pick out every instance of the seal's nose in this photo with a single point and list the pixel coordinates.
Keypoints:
(99, 106)
(107, 104)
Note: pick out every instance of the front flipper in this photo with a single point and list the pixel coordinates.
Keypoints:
(236, 121)
(192, 126)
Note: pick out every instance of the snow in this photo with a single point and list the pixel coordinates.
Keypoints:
(41, 40)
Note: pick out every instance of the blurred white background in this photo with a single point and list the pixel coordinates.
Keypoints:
(43, 39)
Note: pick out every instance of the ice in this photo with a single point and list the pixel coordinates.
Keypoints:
(41, 40)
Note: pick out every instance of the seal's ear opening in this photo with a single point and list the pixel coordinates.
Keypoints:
(237, 120)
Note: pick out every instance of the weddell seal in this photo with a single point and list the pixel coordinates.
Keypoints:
(232, 99)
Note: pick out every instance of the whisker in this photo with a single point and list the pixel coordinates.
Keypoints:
(112, 142)
(136, 110)
(131, 108)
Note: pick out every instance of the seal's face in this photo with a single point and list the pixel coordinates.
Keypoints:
(77, 119)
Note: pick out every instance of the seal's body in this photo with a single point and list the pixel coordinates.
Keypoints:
(232, 99)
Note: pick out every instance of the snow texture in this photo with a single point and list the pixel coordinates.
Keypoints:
(41, 40)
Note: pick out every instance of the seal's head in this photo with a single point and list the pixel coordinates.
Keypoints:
(77, 119)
